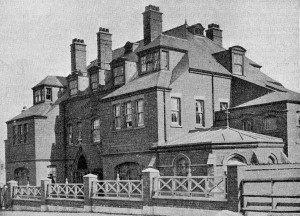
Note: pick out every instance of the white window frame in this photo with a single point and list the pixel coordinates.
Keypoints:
(176, 111)
(140, 112)
(117, 116)
(237, 63)
(200, 113)
(48, 93)
(128, 114)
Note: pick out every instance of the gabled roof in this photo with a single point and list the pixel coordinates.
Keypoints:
(220, 135)
(288, 96)
(36, 110)
(57, 81)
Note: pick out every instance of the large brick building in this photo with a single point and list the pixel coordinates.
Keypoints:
(153, 103)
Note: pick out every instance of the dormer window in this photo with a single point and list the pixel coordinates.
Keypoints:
(49, 94)
(73, 87)
(150, 62)
(165, 60)
(237, 64)
(119, 75)
(37, 96)
(94, 81)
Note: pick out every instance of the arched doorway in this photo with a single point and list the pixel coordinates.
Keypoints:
(129, 171)
(234, 160)
(21, 175)
(81, 170)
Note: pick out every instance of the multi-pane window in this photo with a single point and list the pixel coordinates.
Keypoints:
(73, 87)
(94, 80)
(48, 94)
(117, 116)
(51, 170)
(248, 125)
(200, 113)
(119, 77)
(237, 64)
(270, 123)
(164, 60)
(79, 128)
(128, 114)
(223, 106)
(140, 112)
(150, 62)
(70, 134)
(37, 96)
(20, 133)
(15, 134)
(175, 110)
(25, 130)
(96, 130)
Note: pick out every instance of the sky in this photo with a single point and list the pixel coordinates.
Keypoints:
(35, 36)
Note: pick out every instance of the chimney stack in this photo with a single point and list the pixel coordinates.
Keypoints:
(78, 56)
(214, 33)
(152, 23)
(104, 44)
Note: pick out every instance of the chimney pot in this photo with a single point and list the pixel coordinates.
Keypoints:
(78, 55)
(104, 45)
(214, 33)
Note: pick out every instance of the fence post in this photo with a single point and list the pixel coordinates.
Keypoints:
(44, 190)
(89, 184)
(11, 184)
(233, 188)
(148, 183)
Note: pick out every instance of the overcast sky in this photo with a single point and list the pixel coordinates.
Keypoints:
(35, 36)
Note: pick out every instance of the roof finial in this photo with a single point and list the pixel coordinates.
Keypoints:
(185, 21)
(227, 117)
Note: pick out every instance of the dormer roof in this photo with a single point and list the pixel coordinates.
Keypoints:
(55, 81)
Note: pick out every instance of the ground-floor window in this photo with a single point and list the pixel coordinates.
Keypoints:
(21, 175)
(129, 171)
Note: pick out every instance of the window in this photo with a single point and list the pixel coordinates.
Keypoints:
(223, 106)
(200, 113)
(182, 166)
(15, 134)
(270, 123)
(117, 116)
(73, 87)
(140, 112)
(150, 62)
(37, 96)
(128, 114)
(25, 129)
(237, 64)
(96, 130)
(175, 111)
(70, 134)
(79, 127)
(298, 119)
(164, 60)
(51, 170)
(248, 125)
(20, 133)
(94, 81)
(119, 77)
(49, 94)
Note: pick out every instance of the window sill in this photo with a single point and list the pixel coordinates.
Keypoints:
(128, 129)
(199, 127)
(176, 126)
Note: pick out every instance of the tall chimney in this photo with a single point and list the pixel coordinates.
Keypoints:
(104, 44)
(152, 23)
(214, 33)
(78, 56)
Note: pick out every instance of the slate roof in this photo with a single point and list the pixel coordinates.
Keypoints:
(288, 96)
(200, 57)
(57, 81)
(36, 110)
(220, 135)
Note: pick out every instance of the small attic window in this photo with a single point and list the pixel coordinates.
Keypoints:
(237, 64)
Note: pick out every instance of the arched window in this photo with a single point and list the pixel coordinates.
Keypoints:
(181, 165)
(82, 169)
(129, 171)
(21, 175)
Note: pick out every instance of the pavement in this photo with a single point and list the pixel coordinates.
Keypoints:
(30, 213)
